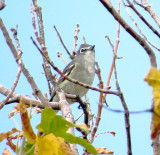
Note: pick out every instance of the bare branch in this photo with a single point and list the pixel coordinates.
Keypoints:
(126, 114)
(108, 38)
(137, 37)
(67, 114)
(12, 89)
(84, 40)
(115, 50)
(34, 24)
(60, 38)
(26, 73)
(38, 10)
(143, 19)
(29, 101)
(61, 56)
(140, 31)
(41, 40)
(130, 112)
(148, 8)
(100, 105)
(77, 30)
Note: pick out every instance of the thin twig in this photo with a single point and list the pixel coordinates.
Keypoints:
(148, 8)
(79, 117)
(88, 116)
(48, 81)
(77, 30)
(115, 50)
(41, 40)
(84, 40)
(138, 28)
(34, 23)
(99, 111)
(110, 42)
(12, 89)
(126, 115)
(38, 11)
(60, 38)
(130, 112)
(143, 19)
(59, 55)
(137, 37)
(26, 73)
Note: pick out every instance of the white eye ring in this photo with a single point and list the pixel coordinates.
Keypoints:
(82, 50)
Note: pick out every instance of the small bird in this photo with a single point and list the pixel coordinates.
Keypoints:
(81, 68)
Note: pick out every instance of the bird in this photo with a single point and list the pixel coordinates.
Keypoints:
(81, 68)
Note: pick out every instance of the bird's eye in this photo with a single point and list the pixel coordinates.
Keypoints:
(82, 50)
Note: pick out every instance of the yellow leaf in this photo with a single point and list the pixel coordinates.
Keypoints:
(51, 145)
(153, 79)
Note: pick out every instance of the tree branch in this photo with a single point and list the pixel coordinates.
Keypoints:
(143, 19)
(137, 37)
(126, 114)
(67, 114)
(77, 30)
(148, 8)
(60, 38)
(13, 88)
(29, 101)
(26, 73)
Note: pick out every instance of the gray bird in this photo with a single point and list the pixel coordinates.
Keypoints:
(81, 68)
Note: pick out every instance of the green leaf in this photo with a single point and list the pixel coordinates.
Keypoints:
(52, 123)
(29, 148)
(47, 115)
(77, 140)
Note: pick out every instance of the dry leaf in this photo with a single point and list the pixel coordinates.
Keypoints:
(11, 145)
(6, 152)
(15, 110)
(5, 135)
(20, 134)
(65, 148)
(102, 150)
(26, 126)
(113, 133)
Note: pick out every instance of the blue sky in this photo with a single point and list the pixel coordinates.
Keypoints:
(95, 23)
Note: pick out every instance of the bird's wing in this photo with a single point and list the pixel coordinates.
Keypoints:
(67, 71)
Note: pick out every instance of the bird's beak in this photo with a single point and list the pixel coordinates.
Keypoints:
(91, 47)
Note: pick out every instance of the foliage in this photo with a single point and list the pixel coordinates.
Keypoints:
(52, 135)
(153, 79)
